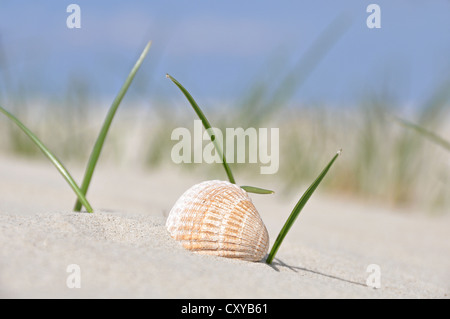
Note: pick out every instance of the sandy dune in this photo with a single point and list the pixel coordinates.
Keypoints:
(123, 249)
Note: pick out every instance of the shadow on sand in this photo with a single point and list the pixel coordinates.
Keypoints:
(278, 263)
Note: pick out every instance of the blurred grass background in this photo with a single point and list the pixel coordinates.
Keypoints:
(382, 161)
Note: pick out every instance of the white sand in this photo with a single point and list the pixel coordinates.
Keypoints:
(123, 249)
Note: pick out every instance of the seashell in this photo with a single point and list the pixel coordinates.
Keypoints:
(218, 218)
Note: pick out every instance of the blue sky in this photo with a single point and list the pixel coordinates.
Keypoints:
(216, 49)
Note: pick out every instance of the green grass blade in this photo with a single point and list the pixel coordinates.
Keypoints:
(95, 154)
(297, 209)
(266, 103)
(425, 133)
(206, 125)
(52, 158)
(256, 190)
(311, 59)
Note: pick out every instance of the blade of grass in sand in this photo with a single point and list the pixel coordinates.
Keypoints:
(53, 159)
(425, 133)
(93, 159)
(208, 126)
(297, 209)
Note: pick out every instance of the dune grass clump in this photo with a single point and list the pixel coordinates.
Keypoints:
(300, 204)
(82, 191)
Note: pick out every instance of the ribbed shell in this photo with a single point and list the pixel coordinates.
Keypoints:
(218, 218)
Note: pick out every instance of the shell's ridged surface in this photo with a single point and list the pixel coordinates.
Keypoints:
(218, 218)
